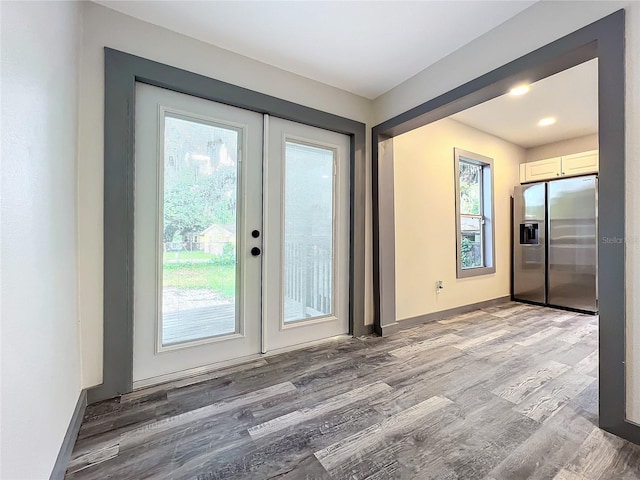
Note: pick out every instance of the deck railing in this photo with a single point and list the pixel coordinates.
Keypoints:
(308, 275)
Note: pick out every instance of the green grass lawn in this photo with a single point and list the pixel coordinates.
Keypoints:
(184, 256)
(219, 278)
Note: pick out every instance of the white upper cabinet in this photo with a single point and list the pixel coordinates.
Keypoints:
(580, 163)
(543, 169)
(566, 166)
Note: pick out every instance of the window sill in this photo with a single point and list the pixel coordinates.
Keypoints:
(474, 272)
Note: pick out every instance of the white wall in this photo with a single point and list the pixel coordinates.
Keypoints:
(533, 28)
(104, 27)
(563, 147)
(40, 350)
(425, 217)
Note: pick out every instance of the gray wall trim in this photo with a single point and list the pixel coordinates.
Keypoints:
(385, 287)
(389, 329)
(122, 71)
(603, 39)
(69, 440)
(495, 83)
(451, 312)
(366, 330)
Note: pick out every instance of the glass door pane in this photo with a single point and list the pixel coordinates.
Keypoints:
(198, 230)
(308, 231)
(471, 241)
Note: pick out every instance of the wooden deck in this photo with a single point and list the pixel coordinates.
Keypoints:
(205, 322)
(198, 323)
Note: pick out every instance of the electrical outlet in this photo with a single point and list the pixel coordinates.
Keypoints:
(439, 286)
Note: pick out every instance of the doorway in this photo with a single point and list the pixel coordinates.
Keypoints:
(122, 72)
(604, 40)
(240, 234)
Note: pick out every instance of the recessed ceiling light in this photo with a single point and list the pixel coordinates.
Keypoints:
(545, 122)
(519, 90)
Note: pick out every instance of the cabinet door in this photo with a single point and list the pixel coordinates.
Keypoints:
(580, 163)
(543, 169)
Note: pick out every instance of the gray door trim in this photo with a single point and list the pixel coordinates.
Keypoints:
(603, 39)
(122, 71)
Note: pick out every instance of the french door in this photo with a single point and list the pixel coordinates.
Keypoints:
(306, 267)
(240, 235)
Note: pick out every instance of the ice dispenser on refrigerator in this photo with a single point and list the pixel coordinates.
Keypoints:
(529, 234)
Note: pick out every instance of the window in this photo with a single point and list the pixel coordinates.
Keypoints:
(474, 214)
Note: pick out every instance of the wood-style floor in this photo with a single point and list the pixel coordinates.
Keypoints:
(508, 392)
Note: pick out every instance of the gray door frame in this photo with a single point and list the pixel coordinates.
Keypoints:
(122, 71)
(603, 39)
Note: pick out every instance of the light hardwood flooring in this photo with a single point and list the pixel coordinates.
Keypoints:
(508, 392)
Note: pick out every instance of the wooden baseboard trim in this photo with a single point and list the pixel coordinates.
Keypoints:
(387, 330)
(69, 441)
(432, 317)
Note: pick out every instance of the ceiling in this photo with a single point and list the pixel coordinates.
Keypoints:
(368, 47)
(364, 47)
(570, 96)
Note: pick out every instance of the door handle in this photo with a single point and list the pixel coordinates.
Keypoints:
(255, 251)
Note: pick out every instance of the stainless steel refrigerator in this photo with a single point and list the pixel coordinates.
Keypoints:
(555, 254)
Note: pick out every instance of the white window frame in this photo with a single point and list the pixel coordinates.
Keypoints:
(487, 214)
